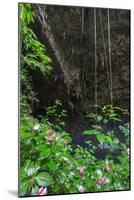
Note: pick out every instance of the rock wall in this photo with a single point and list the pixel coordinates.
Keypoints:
(69, 34)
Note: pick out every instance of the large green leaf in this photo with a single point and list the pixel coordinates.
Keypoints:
(101, 137)
(68, 186)
(25, 187)
(44, 179)
(109, 139)
(45, 151)
(68, 139)
(31, 170)
(52, 165)
(90, 132)
(99, 118)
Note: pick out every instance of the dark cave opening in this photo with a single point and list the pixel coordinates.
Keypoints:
(76, 123)
(81, 65)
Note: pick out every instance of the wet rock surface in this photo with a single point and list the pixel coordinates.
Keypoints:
(69, 36)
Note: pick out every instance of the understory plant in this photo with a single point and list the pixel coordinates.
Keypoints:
(108, 125)
(56, 115)
(50, 166)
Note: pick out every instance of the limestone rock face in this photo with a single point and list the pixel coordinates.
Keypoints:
(69, 35)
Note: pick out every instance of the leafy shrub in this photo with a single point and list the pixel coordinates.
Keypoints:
(107, 138)
(56, 115)
(34, 53)
(50, 166)
(33, 56)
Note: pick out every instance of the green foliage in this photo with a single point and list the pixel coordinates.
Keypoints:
(48, 161)
(90, 132)
(33, 57)
(107, 138)
(34, 54)
(32, 178)
(56, 115)
(107, 113)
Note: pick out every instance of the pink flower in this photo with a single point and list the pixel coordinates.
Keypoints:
(50, 138)
(81, 170)
(42, 191)
(107, 168)
(49, 131)
(65, 142)
(36, 127)
(81, 189)
(104, 180)
(98, 182)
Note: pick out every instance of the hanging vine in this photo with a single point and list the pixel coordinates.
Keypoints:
(82, 22)
(105, 51)
(95, 56)
(110, 64)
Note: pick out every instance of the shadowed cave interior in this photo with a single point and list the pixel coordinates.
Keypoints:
(70, 39)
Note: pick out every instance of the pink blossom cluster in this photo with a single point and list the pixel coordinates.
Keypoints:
(81, 170)
(102, 181)
(42, 191)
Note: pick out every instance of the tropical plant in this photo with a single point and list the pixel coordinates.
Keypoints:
(33, 56)
(111, 117)
(49, 165)
(56, 115)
